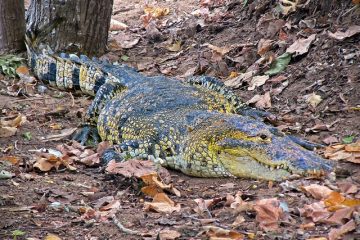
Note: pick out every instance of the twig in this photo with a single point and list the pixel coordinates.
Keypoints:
(30, 99)
(122, 228)
(72, 98)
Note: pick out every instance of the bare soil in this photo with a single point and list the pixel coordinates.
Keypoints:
(327, 70)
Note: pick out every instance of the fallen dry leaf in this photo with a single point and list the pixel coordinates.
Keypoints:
(339, 35)
(167, 234)
(56, 137)
(117, 25)
(51, 236)
(317, 191)
(47, 161)
(336, 233)
(261, 101)
(204, 205)
(347, 187)
(221, 50)
(220, 233)
(156, 12)
(238, 221)
(175, 47)
(315, 211)
(162, 204)
(264, 46)
(301, 46)
(155, 185)
(10, 124)
(337, 201)
(14, 160)
(268, 213)
(257, 81)
(340, 215)
(347, 152)
(288, 6)
(131, 168)
(313, 99)
(237, 81)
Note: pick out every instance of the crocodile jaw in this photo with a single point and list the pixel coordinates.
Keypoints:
(247, 167)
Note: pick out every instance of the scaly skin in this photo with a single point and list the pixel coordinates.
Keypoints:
(199, 127)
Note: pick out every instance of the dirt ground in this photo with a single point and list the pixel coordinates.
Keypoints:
(177, 46)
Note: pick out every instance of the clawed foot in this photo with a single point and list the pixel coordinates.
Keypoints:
(87, 135)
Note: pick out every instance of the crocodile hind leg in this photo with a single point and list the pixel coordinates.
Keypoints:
(88, 132)
(237, 104)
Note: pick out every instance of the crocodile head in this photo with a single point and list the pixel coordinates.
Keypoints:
(245, 147)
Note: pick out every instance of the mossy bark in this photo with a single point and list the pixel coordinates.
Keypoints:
(83, 29)
(12, 25)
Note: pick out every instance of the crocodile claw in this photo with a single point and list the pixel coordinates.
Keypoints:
(87, 135)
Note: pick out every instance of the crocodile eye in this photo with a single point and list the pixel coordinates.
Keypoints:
(263, 136)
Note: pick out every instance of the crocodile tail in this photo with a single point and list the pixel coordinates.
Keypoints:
(63, 71)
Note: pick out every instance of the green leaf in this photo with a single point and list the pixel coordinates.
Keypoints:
(27, 136)
(124, 58)
(348, 139)
(280, 64)
(17, 233)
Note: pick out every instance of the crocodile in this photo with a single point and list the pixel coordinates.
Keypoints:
(197, 126)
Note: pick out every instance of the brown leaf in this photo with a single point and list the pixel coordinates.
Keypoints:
(92, 160)
(336, 233)
(340, 215)
(339, 35)
(220, 233)
(162, 204)
(156, 12)
(113, 205)
(51, 236)
(7, 131)
(55, 137)
(264, 46)
(46, 161)
(10, 124)
(117, 25)
(288, 6)
(301, 46)
(238, 221)
(347, 187)
(175, 47)
(204, 205)
(313, 99)
(257, 81)
(262, 101)
(317, 191)
(268, 213)
(131, 168)
(124, 40)
(14, 160)
(330, 140)
(337, 201)
(315, 211)
(221, 50)
(152, 180)
(168, 234)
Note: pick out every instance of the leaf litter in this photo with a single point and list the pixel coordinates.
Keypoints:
(322, 212)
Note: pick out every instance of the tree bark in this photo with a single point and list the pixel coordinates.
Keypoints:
(12, 25)
(84, 28)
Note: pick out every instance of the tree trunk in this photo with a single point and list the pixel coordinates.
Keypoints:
(83, 29)
(12, 25)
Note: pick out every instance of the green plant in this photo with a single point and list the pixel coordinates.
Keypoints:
(9, 64)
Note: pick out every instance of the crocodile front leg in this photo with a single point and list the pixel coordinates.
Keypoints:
(124, 151)
(88, 132)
